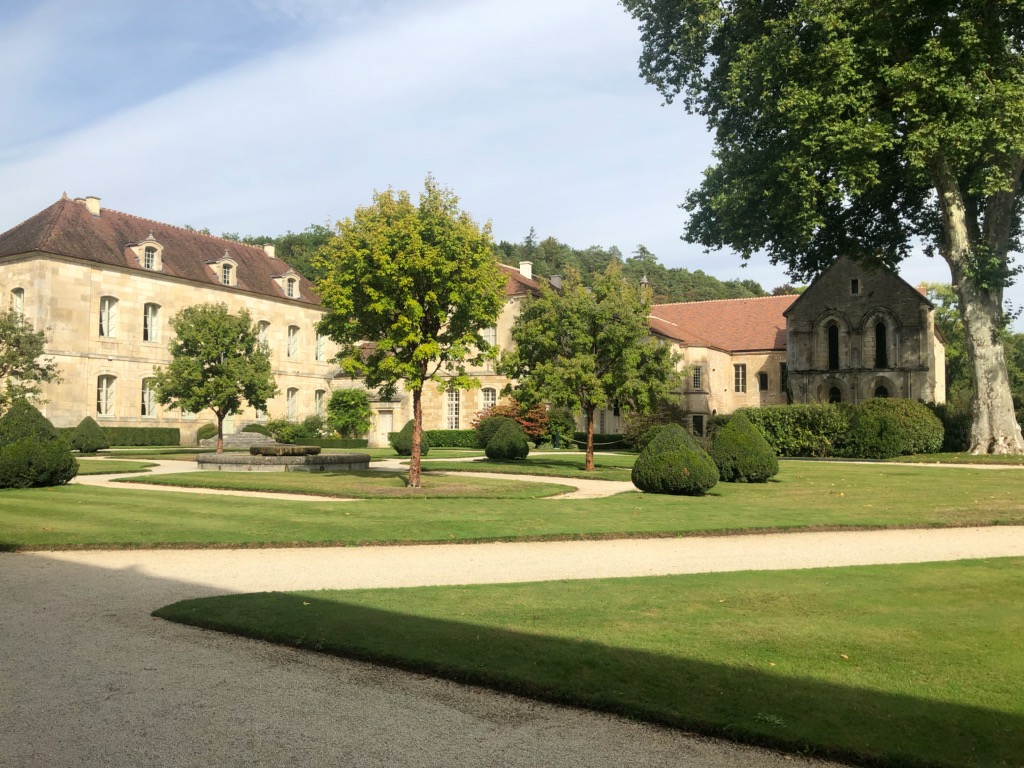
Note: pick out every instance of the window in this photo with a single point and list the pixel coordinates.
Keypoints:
(150, 314)
(293, 340)
(600, 422)
(262, 331)
(292, 403)
(490, 397)
(739, 377)
(783, 377)
(833, 347)
(149, 257)
(148, 398)
(108, 316)
(261, 415)
(762, 382)
(227, 274)
(698, 376)
(854, 287)
(18, 300)
(321, 346)
(105, 395)
(881, 392)
(453, 409)
(835, 395)
(697, 422)
(490, 335)
(881, 346)
(291, 287)
(319, 398)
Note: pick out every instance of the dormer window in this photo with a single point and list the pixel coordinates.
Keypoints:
(291, 287)
(288, 283)
(225, 269)
(149, 253)
(149, 257)
(226, 274)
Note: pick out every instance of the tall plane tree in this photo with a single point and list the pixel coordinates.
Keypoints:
(861, 128)
(409, 288)
(588, 349)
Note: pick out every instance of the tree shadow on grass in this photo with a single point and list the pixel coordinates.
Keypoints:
(744, 704)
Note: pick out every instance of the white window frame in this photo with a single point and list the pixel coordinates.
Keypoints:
(453, 408)
(18, 300)
(108, 317)
(739, 378)
(490, 335)
(263, 331)
(227, 274)
(105, 392)
(291, 288)
(150, 322)
(149, 257)
(321, 347)
(293, 341)
(320, 402)
(292, 403)
(489, 397)
(148, 409)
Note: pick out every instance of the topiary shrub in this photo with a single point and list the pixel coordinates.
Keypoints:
(206, 431)
(402, 441)
(806, 429)
(742, 454)
(488, 427)
(32, 452)
(674, 463)
(258, 429)
(509, 442)
(89, 436)
(884, 427)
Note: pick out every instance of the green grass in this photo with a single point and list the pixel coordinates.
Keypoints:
(366, 484)
(894, 665)
(108, 466)
(607, 466)
(807, 495)
(962, 458)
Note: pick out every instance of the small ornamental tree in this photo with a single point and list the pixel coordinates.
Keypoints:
(674, 463)
(408, 289)
(22, 365)
(349, 412)
(217, 362)
(89, 436)
(741, 453)
(508, 443)
(533, 419)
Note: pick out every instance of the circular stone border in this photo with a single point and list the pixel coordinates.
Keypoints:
(244, 462)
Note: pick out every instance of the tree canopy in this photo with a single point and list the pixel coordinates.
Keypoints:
(409, 288)
(860, 128)
(23, 368)
(588, 349)
(218, 362)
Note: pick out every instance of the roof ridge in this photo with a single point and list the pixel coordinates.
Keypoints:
(714, 301)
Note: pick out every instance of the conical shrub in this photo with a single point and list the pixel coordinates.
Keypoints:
(89, 436)
(402, 442)
(674, 463)
(488, 427)
(742, 454)
(32, 452)
(509, 442)
(24, 420)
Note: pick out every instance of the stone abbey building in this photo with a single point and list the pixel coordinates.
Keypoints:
(103, 285)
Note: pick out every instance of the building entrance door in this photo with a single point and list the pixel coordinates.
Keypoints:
(385, 424)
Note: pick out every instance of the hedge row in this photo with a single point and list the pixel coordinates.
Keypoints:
(124, 436)
(337, 442)
(445, 438)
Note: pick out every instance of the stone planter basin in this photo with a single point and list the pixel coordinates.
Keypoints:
(242, 462)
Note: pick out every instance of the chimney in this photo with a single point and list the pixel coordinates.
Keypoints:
(271, 250)
(526, 269)
(556, 282)
(92, 204)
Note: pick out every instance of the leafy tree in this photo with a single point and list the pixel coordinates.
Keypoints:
(22, 365)
(418, 283)
(349, 412)
(861, 128)
(218, 362)
(586, 349)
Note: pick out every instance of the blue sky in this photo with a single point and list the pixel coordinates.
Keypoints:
(262, 116)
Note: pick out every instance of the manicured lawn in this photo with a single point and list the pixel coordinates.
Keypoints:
(807, 495)
(894, 665)
(607, 466)
(156, 454)
(108, 466)
(369, 484)
(961, 458)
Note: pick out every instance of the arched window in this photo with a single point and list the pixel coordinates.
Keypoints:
(833, 348)
(105, 395)
(293, 340)
(108, 316)
(881, 346)
(319, 400)
(291, 288)
(149, 257)
(453, 409)
(835, 395)
(292, 403)
(18, 300)
(881, 391)
(148, 398)
(150, 318)
(321, 347)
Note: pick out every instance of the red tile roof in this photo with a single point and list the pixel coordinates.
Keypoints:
(734, 325)
(516, 284)
(67, 228)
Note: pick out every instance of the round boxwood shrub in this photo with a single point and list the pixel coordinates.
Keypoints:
(32, 452)
(487, 428)
(884, 427)
(206, 431)
(742, 454)
(403, 441)
(24, 420)
(89, 436)
(674, 463)
(509, 442)
(258, 429)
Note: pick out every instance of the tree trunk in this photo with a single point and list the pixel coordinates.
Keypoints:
(994, 427)
(220, 433)
(590, 440)
(417, 438)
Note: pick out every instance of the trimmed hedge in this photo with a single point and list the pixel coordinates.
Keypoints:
(674, 463)
(488, 428)
(808, 429)
(334, 442)
(509, 442)
(402, 441)
(206, 431)
(258, 429)
(741, 453)
(451, 438)
(89, 437)
(143, 435)
(883, 427)
(602, 442)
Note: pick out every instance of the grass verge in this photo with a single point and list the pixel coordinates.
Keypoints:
(895, 665)
(110, 466)
(607, 467)
(962, 458)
